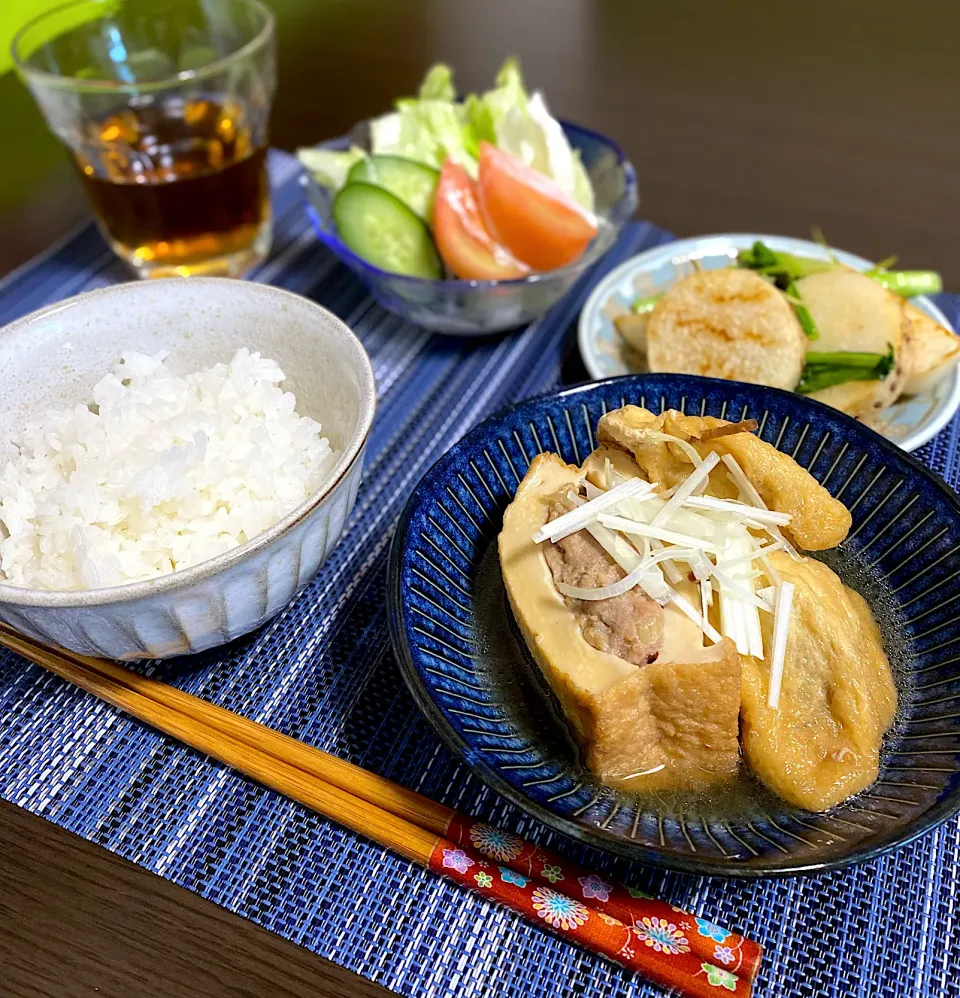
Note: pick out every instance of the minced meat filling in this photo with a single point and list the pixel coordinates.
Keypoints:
(629, 626)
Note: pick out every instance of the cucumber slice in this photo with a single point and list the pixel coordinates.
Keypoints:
(384, 231)
(414, 183)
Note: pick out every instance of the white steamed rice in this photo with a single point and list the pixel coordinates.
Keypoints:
(160, 473)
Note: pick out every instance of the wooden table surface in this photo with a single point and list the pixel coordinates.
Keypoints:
(739, 116)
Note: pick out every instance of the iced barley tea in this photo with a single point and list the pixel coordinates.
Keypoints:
(179, 187)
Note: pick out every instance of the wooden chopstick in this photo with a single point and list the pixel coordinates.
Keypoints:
(400, 819)
(404, 803)
(338, 772)
(407, 838)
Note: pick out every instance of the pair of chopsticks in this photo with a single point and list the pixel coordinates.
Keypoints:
(667, 945)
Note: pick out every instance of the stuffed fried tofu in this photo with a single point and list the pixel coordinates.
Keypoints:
(662, 591)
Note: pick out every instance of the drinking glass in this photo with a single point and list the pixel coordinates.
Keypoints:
(164, 106)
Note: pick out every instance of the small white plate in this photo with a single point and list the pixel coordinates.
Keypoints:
(908, 423)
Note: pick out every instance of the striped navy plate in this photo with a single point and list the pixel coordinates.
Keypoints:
(470, 673)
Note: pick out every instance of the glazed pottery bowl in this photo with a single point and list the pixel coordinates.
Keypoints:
(53, 357)
(470, 672)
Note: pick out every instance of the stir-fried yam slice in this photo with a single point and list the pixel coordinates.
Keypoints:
(931, 351)
(822, 742)
(728, 323)
(856, 314)
(633, 328)
(818, 520)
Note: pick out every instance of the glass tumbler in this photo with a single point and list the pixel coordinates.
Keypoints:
(164, 106)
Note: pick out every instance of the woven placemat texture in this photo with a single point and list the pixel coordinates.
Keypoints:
(323, 672)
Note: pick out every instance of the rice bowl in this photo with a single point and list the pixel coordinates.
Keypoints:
(198, 322)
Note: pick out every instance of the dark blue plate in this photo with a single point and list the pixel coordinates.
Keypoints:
(470, 672)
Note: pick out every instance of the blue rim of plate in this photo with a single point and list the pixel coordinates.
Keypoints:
(882, 454)
(695, 247)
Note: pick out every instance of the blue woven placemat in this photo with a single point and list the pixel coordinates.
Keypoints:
(323, 672)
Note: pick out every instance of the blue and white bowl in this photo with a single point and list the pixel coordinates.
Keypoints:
(482, 308)
(470, 672)
(909, 422)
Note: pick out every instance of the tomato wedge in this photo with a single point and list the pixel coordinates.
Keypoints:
(466, 246)
(529, 214)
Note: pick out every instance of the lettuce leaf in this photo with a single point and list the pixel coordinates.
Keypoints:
(536, 138)
(428, 127)
(477, 125)
(433, 127)
(438, 84)
(329, 167)
(508, 94)
(428, 131)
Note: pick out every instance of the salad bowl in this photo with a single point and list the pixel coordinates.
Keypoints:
(482, 308)
(468, 668)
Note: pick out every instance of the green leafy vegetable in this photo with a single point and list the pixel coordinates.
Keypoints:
(438, 84)
(330, 167)
(824, 370)
(784, 268)
(642, 306)
(802, 313)
(908, 283)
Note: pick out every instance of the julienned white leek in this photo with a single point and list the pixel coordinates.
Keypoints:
(760, 552)
(577, 519)
(648, 534)
(738, 509)
(627, 526)
(781, 629)
(682, 603)
(686, 488)
(750, 493)
(623, 585)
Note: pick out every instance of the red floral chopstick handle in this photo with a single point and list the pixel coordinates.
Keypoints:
(659, 949)
(642, 913)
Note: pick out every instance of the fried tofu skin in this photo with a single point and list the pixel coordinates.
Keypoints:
(819, 521)
(653, 705)
(822, 742)
(673, 723)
